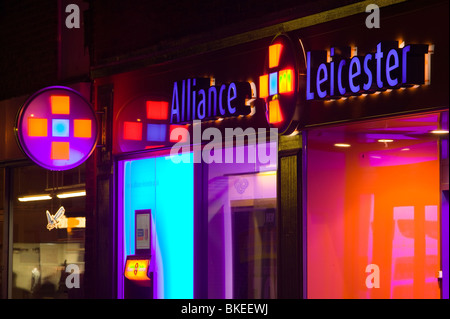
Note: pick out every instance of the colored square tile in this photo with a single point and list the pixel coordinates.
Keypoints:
(157, 110)
(273, 83)
(132, 131)
(37, 127)
(156, 132)
(60, 104)
(82, 128)
(264, 86)
(60, 151)
(274, 55)
(60, 128)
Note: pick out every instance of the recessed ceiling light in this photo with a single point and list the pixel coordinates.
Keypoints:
(342, 145)
(385, 141)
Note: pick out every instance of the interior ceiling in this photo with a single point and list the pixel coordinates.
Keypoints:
(402, 128)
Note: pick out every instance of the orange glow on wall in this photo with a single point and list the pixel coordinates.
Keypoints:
(60, 151)
(60, 104)
(275, 115)
(286, 81)
(264, 86)
(274, 55)
(136, 269)
(37, 127)
(157, 110)
(82, 128)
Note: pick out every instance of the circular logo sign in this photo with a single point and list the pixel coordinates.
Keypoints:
(279, 85)
(57, 128)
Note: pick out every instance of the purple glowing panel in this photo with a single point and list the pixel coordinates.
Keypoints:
(57, 128)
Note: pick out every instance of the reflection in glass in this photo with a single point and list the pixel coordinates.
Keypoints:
(374, 203)
(242, 229)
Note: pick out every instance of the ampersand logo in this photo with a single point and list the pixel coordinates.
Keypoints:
(280, 85)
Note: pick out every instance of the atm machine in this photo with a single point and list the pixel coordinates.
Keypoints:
(138, 283)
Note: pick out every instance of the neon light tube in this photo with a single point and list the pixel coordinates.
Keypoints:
(34, 198)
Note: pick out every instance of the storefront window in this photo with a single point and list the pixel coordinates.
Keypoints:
(373, 209)
(48, 233)
(242, 227)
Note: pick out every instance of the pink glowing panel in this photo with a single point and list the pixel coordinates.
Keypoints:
(57, 128)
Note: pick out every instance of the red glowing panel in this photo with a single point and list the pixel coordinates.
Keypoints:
(274, 55)
(132, 131)
(60, 151)
(180, 136)
(286, 81)
(275, 115)
(264, 86)
(157, 110)
(37, 127)
(82, 128)
(60, 104)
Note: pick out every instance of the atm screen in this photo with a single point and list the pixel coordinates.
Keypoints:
(136, 268)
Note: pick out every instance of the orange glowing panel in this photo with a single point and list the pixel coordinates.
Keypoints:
(180, 136)
(136, 269)
(275, 115)
(60, 104)
(274, 55)
(157, 110)
(60, 151)
(82, 128)
(132, 131)
(37, 127)
(264, 86)
(286, 81)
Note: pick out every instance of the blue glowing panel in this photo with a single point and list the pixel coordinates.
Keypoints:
(273, 83)
(166, 188)
(60, 128)
(156, 132)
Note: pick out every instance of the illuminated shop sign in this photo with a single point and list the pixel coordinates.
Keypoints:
(387, 68)
(196, 99)
(57, 128)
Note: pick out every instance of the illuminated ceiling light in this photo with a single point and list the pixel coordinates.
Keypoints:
(342, 145)
(385, 141)
(439, 131)
(405, 149)
(33, 198)
(71, 194)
